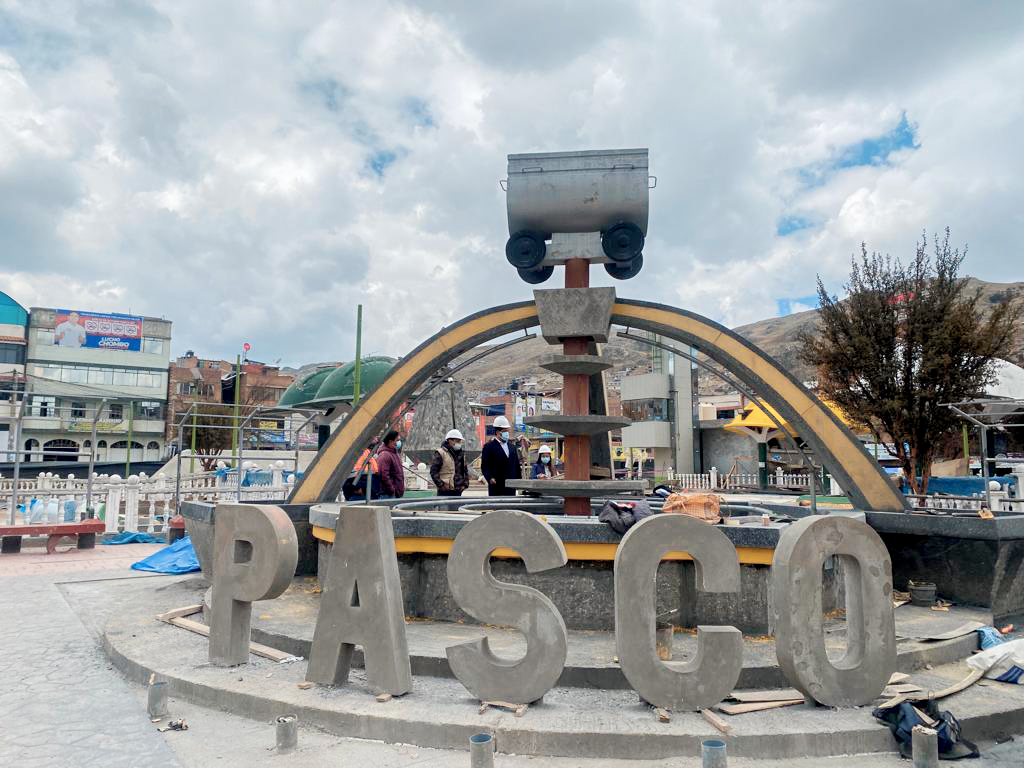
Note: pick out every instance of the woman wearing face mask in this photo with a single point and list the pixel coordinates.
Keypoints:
(542, 469)
(448, 467)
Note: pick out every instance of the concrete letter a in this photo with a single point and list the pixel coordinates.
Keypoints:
(362, 605)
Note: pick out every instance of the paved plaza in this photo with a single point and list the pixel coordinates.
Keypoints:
(63, 705)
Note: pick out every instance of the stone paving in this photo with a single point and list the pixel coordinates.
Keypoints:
(62, 705)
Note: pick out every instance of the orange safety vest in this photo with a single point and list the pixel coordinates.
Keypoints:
(374, 469)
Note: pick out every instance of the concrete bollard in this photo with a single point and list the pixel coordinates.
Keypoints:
(481, 751)
(712, 753)
(925, 747)
(157, 703)
(287, 733)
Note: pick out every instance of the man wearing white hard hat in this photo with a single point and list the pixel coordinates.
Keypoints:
(448, 467)
(499, 461)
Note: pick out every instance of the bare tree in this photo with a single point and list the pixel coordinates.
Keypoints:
(906, 340)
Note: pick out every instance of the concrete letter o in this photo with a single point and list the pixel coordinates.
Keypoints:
(478, 593)
(255, 552)
(713, 672)
(862, 672)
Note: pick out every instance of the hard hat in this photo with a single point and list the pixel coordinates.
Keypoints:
(453, 434)
(544, 449)
(501, 421)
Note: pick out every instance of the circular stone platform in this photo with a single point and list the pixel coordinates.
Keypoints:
(439, 712)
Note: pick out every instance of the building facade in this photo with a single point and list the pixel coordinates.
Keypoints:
(13, 330)
(662, 407)
(83, 367)
(198, 380)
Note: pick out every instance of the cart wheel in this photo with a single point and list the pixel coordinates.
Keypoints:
(535, 276)
(623, 241)
(625, 271)
(525, 249)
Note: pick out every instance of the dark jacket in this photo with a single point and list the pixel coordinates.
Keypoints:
(495, 465)
(539, 472)
(460, 479)
(392, 474)
(621, 516)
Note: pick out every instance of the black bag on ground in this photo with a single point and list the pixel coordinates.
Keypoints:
(902, 718)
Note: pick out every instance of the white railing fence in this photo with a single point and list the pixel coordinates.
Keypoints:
(714, 480)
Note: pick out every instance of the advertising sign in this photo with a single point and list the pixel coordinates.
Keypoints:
(520, 410)
(87, 329)
(550, 405)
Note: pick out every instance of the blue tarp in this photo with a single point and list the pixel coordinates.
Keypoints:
(963, 486)
(130, 537)
(179, 557)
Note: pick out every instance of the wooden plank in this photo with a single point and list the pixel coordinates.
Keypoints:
(967, 682)
(187, 610)
(893, 690)
(257, 649)
(716, 721)
(898, 677)
(82, 526)
(756, 706)
(749, 697)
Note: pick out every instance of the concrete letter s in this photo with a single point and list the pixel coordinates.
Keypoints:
(255, 551)
(713, 672)
(479, 594)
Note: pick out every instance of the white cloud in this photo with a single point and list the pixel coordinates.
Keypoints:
(214, 163)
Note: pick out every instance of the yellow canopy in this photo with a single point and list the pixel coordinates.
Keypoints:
(753, 420)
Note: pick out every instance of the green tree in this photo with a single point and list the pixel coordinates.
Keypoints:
(212, 433)
(907, 339)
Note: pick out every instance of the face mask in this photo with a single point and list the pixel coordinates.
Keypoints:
(545, 459)
(398, 445)
(457, 446)
(503, 436)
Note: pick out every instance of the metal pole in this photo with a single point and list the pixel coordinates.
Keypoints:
(967, 447)
(359, 357)
(92, 457)
(177, 473)
(17, 443)
(192, 455)
(984, 466)
(131, 427)
(238, 390)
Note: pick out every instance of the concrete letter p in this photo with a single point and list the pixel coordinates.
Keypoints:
(255, 551)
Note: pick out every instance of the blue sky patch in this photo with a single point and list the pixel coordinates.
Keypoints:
(787, 225)
(789, 306)
(379, 161)
(874, 151)
(419, 112)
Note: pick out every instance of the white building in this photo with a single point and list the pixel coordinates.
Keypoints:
(79, 362)
(662, 408)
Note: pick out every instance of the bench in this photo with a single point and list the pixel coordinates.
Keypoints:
(83, 531)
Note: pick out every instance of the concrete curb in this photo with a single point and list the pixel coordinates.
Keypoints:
(545, 731)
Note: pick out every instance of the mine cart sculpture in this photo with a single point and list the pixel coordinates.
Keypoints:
(560, 203)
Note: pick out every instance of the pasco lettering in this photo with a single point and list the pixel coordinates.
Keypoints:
(256, 549)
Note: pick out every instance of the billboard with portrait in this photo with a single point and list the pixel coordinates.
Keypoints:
(76, 329)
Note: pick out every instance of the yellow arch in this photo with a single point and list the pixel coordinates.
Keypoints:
(862, 478)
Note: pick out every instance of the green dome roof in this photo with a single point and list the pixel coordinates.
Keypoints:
(302, 391)
(340, 384)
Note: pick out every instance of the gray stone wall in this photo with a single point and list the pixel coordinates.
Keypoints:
(721, 449)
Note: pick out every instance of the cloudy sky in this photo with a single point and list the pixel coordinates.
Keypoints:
(253, 170)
